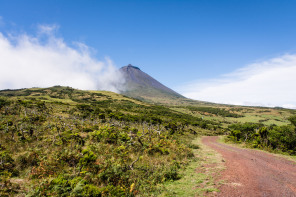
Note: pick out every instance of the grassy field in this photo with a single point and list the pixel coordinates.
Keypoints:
(266, 116)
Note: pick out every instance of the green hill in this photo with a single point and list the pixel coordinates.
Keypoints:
(61, 141)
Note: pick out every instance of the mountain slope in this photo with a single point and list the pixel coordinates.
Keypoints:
(140, 85)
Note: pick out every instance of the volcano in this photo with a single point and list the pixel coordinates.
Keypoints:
(142, 86)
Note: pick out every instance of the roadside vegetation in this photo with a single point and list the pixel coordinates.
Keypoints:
(272, 138)
(199, 177)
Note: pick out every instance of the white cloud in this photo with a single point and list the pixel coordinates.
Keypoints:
(48, 29)
(46, 60)
(269, 83)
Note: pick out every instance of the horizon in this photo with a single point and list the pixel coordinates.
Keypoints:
(229, 52)
(237, 105)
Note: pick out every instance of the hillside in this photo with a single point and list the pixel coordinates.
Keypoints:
(62, 141)
(142, 86)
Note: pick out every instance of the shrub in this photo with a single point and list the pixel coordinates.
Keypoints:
(7, 163)
(3, 102)
(106, 134)
(88, 158)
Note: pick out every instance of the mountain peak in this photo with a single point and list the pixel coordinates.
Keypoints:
(140, 85)
(131, 66)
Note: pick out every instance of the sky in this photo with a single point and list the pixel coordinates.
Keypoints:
(232, 51)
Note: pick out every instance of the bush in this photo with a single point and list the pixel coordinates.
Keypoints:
(259, 136)
(7, 163)
(27, 160)
(88, 158)
(3, 102)
(106, 134)
(193, 146)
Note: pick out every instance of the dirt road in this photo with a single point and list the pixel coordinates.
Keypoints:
(254, 173)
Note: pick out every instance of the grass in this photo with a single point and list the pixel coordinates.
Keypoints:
(198, 177)
(255, 115)
(115, 96)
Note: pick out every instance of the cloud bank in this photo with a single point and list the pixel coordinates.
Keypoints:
(269, 83)
(45, 60)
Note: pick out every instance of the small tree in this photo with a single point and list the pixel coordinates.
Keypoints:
(292, 119)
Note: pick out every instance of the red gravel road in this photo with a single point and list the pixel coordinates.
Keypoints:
(253, 173)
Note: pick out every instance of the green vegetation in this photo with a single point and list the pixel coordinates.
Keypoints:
(273, 138)
(214, 111)
(198, 179)
(60, 141)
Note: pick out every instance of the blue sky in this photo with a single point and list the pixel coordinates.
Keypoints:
(183, 44)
